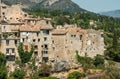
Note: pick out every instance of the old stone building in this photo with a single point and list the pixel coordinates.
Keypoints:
(50, 44)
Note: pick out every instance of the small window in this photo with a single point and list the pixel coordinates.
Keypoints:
(7, 51)
(45, 59)
(38, 40)
(53, 48)
(47, 22)
(23, 39)
(26, 47)
(37, 33)
(35, 47)
(7, 42)
(4, 27)
(73, 36)
(80, 37)
(45, 38)
(3, 13)
(53, 41)
(102, 35)
(13, 50)
(33, 40)
(36, 53)
(46, 32)
(45, 52)
(15, 42)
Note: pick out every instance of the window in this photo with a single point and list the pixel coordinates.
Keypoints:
(80, 37)
(13, 50)
(15, 42)
(38, 40)
(36, 53)
(4, 27)
(45, 46)
(53, 48)
(26, 47)
(73, 36)
(3, 13)
(7, 42)
(45, 59)
(36, 47)
(37, 33)
(7, 51)
(47, 22)
(23, 39)
(45, 38)
(10, 58)
(44, 52)
(4, 7)
(16, 34)
(33, 40)
(53, 41)
(45, 31)
(102, 35)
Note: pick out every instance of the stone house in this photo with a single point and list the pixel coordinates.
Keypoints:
(50, 44)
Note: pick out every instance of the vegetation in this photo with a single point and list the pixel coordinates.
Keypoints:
(25, 56)
(113, 51)
(111, 73)
(18, 74)
(99, 60)
(5, 35)
(49, 78)
(87, 62)
(75, 75)
(3, 70)
(43, 72)
(110, 26)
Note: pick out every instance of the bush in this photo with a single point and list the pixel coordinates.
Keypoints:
(75, 75)
(18, 74)
(99, 60)
(49, 78)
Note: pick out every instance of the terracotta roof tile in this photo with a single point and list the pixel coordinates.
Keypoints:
(59, 32)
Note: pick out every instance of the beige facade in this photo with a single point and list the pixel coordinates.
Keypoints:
(50, 44)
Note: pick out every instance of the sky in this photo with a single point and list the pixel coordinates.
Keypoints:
(99, 5)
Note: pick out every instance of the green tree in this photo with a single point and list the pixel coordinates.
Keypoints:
(99, 60)
(2, 59)
(25, 56)
(3, 70)
(18, 74)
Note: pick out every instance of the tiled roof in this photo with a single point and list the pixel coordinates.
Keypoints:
(37, 19)
(29, 28)
(13, 21)
(44, 26)
(59, 32)
(76, 31)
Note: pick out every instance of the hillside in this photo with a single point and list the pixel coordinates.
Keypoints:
(115, 13)
(63, 5)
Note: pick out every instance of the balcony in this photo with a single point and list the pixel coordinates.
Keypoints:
(45, 53)
(44, 49)
(10, 54)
